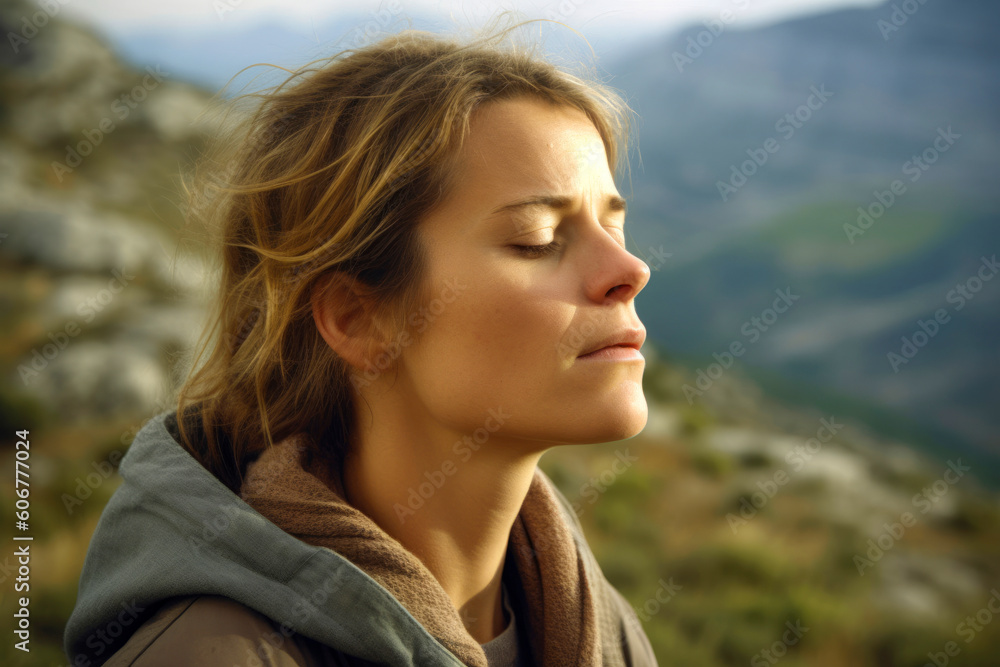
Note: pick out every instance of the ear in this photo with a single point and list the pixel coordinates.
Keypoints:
(344, 319)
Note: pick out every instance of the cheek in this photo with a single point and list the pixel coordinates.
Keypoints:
(515, 329)
(496, 342)
(503, 327)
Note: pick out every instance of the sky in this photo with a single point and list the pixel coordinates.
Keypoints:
(627, 18)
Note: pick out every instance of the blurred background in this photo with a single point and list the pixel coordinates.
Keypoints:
(814, 187)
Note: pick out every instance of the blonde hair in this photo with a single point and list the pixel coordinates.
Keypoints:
(332, 172)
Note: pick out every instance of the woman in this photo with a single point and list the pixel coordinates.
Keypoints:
(424, 287)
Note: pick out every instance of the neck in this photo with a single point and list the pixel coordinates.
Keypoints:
(448, 500)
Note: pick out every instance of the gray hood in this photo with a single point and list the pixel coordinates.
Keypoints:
(173, 529)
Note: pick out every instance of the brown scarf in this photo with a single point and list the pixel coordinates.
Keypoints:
(305, 499)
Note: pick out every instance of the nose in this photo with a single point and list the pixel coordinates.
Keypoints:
(613, 272)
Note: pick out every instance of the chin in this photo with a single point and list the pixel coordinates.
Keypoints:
(637, 416)
(628, 429)
(613, 422)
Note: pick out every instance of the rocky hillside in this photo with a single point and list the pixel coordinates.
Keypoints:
(98, 295)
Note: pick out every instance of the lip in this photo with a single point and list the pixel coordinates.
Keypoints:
(615, 353)
(630, 338)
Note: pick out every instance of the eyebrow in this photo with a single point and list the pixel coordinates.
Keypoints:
(555, 202)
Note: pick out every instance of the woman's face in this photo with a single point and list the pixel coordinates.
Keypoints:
(505, 328)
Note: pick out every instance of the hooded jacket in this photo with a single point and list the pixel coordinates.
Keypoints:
(182, 571)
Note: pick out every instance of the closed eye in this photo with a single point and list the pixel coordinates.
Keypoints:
(535, 251)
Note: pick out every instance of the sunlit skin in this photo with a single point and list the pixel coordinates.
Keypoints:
(507, 341)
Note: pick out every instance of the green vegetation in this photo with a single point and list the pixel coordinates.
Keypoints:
(812, 237)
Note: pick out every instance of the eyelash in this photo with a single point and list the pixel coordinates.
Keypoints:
(535, 251)
(538, 251)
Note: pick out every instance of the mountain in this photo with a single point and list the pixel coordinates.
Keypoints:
(210, 55)
(849, 157)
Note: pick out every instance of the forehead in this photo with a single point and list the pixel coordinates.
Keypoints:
(527, 142)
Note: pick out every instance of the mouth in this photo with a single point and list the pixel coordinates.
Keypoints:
(619, 352)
